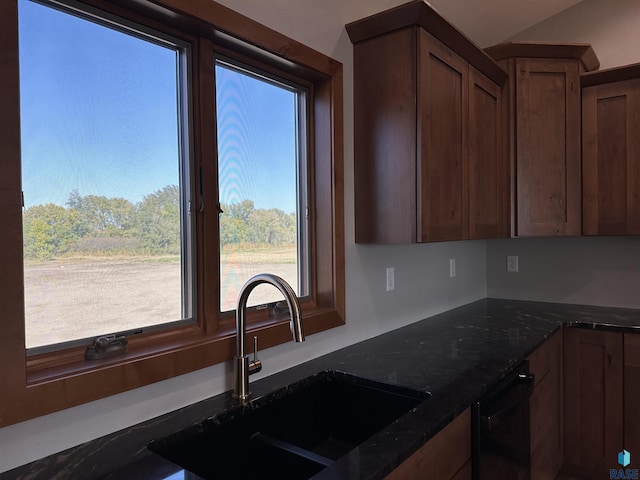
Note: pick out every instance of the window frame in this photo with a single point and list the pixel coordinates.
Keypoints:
(54, 381)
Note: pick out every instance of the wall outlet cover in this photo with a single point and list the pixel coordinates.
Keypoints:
(391, 282)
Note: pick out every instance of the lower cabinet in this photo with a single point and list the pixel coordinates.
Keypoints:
(632, 397)
(546, 411)
(584, 409)
(447, 456)
(593, 398)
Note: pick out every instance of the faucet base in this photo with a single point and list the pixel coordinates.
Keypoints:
(241, 389)
(243, 369)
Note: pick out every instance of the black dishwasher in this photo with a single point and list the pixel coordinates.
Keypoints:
(500, 429)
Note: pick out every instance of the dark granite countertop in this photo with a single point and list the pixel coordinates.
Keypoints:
(456, 356)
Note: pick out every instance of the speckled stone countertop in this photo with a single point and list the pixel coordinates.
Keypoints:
(456, 356)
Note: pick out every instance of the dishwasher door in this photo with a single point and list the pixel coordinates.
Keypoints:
(500, 429)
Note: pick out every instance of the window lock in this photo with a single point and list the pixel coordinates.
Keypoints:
(106, 346)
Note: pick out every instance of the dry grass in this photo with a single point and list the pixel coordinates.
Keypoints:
(78, 297)
(258, 253)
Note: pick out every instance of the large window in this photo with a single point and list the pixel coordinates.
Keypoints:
(105, 176)
(153, 159)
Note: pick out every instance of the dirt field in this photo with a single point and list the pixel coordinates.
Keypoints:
(67, 300)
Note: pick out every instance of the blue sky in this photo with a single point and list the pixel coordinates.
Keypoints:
(256, 141)
(99, 114)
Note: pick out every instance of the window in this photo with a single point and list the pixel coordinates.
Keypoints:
(148, 178)
(105, 177)
(262, 159)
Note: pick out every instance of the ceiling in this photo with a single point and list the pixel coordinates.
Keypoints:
(321, 23)
(488, 22)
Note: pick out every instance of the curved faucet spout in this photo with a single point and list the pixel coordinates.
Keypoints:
(244, 367)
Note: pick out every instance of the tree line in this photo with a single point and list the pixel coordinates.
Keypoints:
(99, 225)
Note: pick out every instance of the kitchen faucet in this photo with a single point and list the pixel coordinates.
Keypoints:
(244, 367)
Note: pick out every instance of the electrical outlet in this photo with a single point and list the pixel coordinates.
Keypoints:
(452, 267)
(391, 283)
(512, 263)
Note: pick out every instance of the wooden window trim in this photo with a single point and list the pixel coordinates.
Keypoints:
(50, 382)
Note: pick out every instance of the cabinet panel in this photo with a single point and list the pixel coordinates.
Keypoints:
(464, 473)
(632, 394)
(488, 168)
(593, 398)
(611, 159)
(547, 435)
(443, 151)
(385, 138)
(547, 146)
(443, 457)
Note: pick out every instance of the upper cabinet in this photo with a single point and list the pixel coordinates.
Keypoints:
(611, 151)
(430, 145)
(544, 111)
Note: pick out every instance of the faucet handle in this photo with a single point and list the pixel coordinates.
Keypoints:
(255, 365)
(255, 348)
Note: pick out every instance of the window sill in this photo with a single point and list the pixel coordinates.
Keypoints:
(179, 352)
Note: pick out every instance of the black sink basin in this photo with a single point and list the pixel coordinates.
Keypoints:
(293, 433)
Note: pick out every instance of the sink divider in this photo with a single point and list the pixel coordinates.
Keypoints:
(286, 446)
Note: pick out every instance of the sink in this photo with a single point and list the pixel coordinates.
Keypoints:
(293, 433)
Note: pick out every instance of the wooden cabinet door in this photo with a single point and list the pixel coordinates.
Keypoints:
(547, 147)
(632, 395)
(446, 456)
(546, 406)
(443, 96)
(611, 159)
(593, 398)
(488, 168)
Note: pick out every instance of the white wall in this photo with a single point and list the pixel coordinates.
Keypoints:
(587, 270)
(423, 286)
(596, 271)
(610, 26)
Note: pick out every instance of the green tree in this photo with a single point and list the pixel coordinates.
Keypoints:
(103, 217)
(232, 230)
(240, 210)
(241, 222)
(49, 231)
(234, 222)
(158, 220)
(272, 226)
